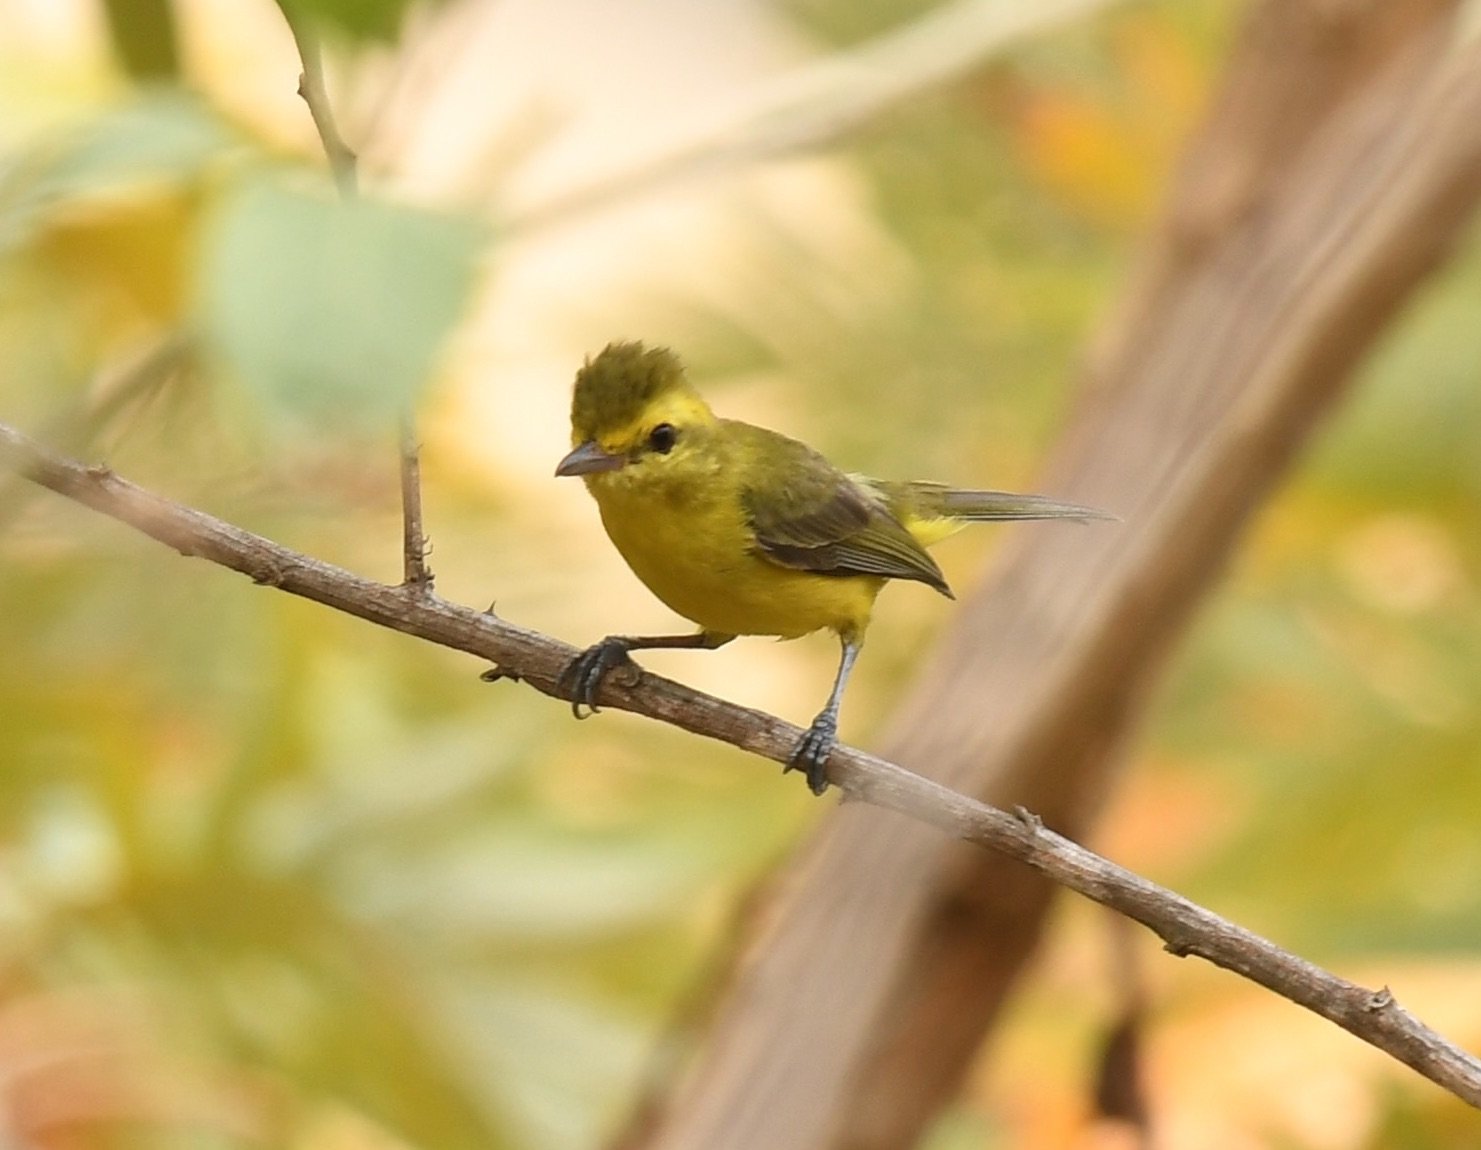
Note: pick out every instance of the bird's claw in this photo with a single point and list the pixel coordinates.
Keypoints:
(584, 674)
(810, 756)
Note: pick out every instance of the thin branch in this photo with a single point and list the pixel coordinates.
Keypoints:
(343, 163)
(342, 160)
(416, 575)
(518, 653)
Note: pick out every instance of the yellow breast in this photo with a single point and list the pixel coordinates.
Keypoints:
(692, 547)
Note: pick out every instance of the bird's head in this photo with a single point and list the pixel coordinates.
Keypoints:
(633, 411)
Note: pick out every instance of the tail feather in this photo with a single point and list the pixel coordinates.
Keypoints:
(932, 511)
(992, 505)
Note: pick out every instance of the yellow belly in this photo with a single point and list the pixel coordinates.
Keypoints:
(700, 561)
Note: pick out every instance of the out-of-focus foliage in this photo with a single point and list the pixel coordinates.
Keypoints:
(1343, 665)
(155, 212)
(142, 33)
(339, 308)
(271, 877)
(268, 877)
(370, 19)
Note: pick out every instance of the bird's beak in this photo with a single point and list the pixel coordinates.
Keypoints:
(589, 458)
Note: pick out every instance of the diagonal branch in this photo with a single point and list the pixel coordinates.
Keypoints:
(1185, 928)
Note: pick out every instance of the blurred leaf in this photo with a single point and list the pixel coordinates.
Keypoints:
(511, 879)
(1103, 147)
(127, 262)
(547, 1062)
(163, 137)
(1407, 434)
(1432, 1121)
(363, 19)
(332, 309)
(144, 36)
(98, 226)
(1078, 148)
(961, 1129)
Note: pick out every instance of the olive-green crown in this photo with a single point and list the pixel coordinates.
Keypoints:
(614, 388)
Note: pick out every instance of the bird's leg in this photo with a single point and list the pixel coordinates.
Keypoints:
(811, 753)
(583, 674)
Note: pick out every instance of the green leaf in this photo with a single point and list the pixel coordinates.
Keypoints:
(328, 308)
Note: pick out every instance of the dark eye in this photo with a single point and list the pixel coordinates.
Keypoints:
(662, 438)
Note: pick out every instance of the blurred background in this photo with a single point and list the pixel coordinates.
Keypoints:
(272, 877)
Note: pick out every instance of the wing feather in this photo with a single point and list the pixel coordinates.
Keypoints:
(810, 516)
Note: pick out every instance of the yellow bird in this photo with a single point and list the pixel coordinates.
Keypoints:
(746, 532)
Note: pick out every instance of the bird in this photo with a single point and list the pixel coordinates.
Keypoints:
(744, 531)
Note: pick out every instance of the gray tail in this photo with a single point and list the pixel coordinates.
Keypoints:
(990, 505)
